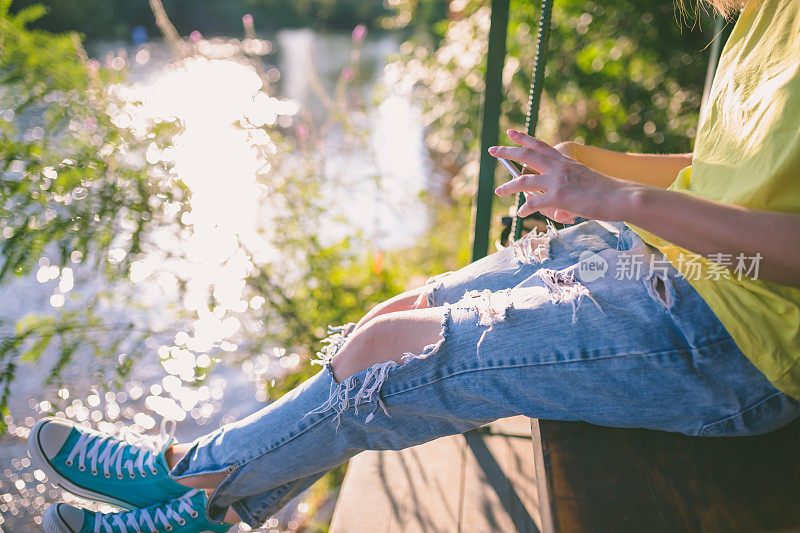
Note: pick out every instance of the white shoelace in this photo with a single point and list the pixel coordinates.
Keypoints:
(133, 521)
(107, 451)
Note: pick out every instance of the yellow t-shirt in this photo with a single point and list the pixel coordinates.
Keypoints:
(747, 153)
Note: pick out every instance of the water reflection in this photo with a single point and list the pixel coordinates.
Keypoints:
(223, 155)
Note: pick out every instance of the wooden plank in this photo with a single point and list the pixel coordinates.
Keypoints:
(608, 479)
(474, 484)
(546, 524)
(499, 484)
(414, 490)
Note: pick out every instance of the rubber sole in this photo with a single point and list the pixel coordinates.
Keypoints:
(37, 455)
(52, 522)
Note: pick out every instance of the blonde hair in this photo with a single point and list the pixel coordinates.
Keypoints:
(726, 8)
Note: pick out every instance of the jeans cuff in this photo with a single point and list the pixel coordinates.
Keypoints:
(184, 469)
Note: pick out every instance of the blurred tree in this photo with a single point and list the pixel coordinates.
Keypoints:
(79, 188)
(68, 185)
(106, 19)
(624, 75)
(115, 19)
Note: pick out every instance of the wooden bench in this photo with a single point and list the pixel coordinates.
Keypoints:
(607, 479)
(575, 477)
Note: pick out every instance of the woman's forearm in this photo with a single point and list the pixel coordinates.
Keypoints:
(707, 227)
(658, 170)
(699, 225)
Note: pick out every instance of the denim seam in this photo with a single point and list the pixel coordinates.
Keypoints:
(389, 393)
(244, 513)
(280, 491)
(740, 413)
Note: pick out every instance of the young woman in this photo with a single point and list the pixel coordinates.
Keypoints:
(613, 321)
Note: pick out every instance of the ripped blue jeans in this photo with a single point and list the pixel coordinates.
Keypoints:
(587, 323)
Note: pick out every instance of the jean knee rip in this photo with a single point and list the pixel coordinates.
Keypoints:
(534, 247)
(563, 288)
(433, 284)
(371, 382)
(491, 307)
(337, 336)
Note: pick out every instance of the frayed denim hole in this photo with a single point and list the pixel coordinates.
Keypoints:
(534, 248)
(563, 288)
(337, 337)
(432, 285)
(413, 359)
(359, 389)
(490, 307)
(661, 289)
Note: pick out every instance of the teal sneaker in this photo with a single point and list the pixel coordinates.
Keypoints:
(129, 472)
(186, 514)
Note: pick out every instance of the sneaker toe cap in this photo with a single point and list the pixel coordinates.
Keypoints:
(62, 518)
(50, 436)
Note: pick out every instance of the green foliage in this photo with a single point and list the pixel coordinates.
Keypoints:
(67, 183)
(623, 75)
(76, 188)
(333, 14)
(114, 19)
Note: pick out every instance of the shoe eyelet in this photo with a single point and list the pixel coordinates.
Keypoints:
(119, 476)
(95, 472)
(193, 515)
(154, 472)
(68, 463)
(143, 474)
(131, 476)
(82, 468)
(182, 523)
(168, 528)
(107, 476)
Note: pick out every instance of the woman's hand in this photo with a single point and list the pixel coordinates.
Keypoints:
(561, 188)
(697, 224)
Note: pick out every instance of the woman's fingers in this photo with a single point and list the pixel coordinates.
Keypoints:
(535, 202)
(549, 212)
(524, 183)
(532, 159)
(553, 213)
(535, 144)
(564, 217)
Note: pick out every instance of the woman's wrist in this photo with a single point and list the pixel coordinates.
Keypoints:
(570, 149)
(636, 202)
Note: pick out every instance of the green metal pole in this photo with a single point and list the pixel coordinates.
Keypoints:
(490, 124)
(536, 90)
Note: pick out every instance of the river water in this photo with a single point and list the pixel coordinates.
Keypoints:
(373, 189)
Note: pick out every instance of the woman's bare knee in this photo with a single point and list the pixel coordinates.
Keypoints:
(402, 302)
(387, 337)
